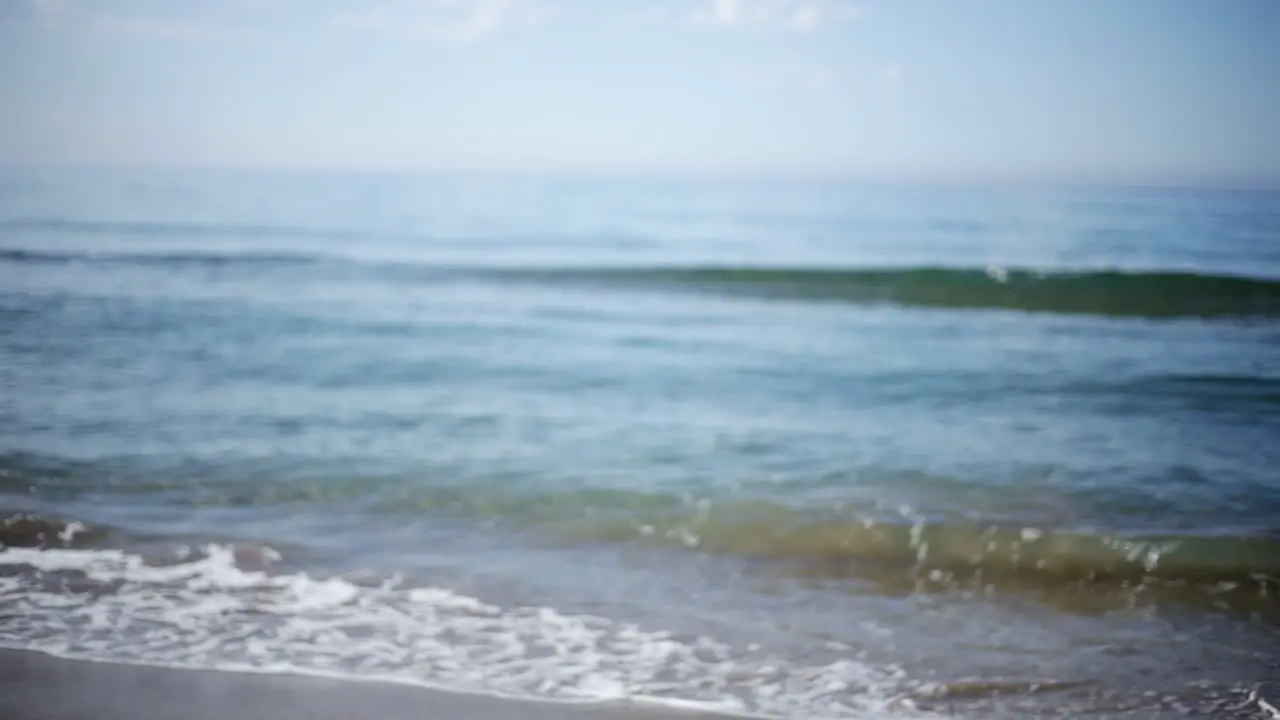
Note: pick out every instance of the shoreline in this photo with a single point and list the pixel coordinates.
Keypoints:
(38, 686)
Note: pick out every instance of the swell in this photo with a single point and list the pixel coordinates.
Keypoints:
(1114, 293)
(1152, 294)
(174, 259)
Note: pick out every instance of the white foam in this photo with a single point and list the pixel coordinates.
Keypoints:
(209, 613)
(69, 532)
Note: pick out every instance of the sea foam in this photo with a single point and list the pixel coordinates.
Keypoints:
(209, 612)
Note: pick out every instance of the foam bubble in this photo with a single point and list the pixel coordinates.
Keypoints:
(207, 612)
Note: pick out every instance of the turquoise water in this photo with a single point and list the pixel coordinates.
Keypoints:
(794, 449)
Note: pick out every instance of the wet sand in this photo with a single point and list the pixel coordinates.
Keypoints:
(34, 686)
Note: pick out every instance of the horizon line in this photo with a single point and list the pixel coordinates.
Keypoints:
(1048, 179)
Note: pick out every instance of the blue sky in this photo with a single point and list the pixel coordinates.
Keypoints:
(1150, 90)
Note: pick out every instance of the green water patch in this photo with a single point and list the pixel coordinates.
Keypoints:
(1094, 292)
(859, 538)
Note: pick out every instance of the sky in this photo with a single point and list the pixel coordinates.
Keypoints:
(1132, 90)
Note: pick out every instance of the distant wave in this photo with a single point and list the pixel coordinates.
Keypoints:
(1117, 293)
(40, 257)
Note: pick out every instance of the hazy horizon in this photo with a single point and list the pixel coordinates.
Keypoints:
(718, 175)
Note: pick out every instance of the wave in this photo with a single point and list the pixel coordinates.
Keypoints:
(1209, 390)
(26, 530)
(950, 553)
(1240, 569)
(1151, 294)
(1109, 292)
(250, 608)
(858, 542)
(208, 606)
(176, 259)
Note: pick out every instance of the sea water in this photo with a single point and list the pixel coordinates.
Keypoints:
(789, 448)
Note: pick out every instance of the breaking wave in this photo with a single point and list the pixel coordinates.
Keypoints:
(1240, 571)
(230, 608)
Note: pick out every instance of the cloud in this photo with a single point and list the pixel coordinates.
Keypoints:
(794, 14)
(720, 12)
(445, 20)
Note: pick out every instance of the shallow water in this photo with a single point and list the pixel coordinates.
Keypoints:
(798, 449)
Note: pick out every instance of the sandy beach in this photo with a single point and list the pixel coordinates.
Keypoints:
(35, 686)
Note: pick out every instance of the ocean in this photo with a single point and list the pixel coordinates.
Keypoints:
(795, 449)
